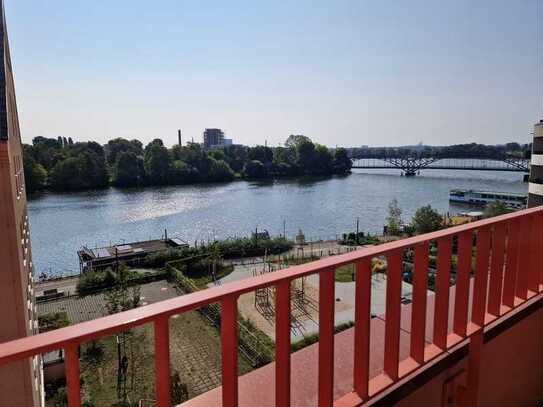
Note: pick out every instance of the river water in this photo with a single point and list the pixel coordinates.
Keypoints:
(321, 208)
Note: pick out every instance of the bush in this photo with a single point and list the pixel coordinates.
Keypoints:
(159, 259)
(53, 320)
(349, 239)
(245, 246)
(254, 169)
(95, 280)
(198, 269)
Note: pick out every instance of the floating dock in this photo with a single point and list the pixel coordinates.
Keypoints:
(127, 253)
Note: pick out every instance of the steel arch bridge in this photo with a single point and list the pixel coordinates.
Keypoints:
(413, 165)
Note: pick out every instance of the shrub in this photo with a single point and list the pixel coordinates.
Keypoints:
(426, 220)
(53, 320)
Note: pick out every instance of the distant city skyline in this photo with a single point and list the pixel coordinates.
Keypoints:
(342, 73)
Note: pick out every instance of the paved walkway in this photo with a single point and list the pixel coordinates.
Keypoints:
(81, 309)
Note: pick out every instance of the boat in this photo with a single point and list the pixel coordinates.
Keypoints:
(482, 198)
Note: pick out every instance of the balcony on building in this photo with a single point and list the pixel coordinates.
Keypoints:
(475, 342)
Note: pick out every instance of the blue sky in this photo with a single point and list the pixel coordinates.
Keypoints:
(341, 72)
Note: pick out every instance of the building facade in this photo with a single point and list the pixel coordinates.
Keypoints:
(20, 382)
(213, 137)
(535, 189)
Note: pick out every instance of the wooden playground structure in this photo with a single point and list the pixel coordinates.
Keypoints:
(302, 305)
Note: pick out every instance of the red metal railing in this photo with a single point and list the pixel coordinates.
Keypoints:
(507, 272)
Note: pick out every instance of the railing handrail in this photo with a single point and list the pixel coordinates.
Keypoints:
(85, 331)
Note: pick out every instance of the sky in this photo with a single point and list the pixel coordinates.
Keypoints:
(345, 73)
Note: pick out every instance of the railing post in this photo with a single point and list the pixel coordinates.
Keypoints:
(481, 276)
(162, 362)
(441, 313)
(72, 374)
(511, 256)
(326, 337)
(229, 350)
(524, 257)
(536, 239)
(463, 270)
(393, 314)
(282, 344)
(418, 313)
(496, 270)
(362, 318)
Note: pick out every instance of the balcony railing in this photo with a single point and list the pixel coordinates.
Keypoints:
(507, 272)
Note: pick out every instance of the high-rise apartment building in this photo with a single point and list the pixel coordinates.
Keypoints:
(20, 382)
(535, 196)
(213, 137)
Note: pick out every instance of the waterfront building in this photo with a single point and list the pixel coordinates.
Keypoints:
(213, 137)
(21, 382)
(535, 196)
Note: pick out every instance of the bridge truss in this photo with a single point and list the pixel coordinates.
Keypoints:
(413, 165)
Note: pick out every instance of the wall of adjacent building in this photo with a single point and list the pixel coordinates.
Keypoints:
(20, 383)
(535, 188)
(511, 370)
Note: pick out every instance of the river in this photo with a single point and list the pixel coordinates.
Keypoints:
(321, 208)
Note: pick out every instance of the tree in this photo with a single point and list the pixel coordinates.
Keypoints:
(83, 171)
(67, 175)
(262, 154)
(121, 297)
(93, 167)
(342, 162)
(235, 156)
(426, 219)
(180, 173)
(116, 146)
(220, 171)
(35, 173)
(128, 170)
(295, 139)
(255, 169)
(305, 152)
(323, 161)
(496, 208)
(394, 219)
(156, 163)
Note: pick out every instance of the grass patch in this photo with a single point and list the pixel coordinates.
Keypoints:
(345, 274)
(314, 338)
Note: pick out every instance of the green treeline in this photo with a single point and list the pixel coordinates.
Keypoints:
(62, 165)
(468, 150)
